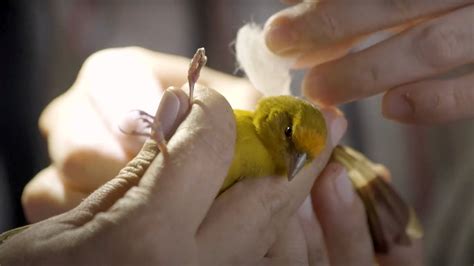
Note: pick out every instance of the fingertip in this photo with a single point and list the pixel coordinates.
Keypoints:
(183, 102)
(333, 187)
(279, 33)
(333, 195)
(314, 87)
(167, 112)
(336, 124)
(342, 217)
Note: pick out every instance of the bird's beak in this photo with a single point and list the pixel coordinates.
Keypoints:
(297, 162)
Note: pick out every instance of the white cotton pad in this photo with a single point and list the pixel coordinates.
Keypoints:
(268, 73)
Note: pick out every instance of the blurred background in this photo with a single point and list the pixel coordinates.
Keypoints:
(44, 43)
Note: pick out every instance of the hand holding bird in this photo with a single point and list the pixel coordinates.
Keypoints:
(279, 195)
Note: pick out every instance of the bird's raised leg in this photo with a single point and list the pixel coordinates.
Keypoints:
(197, 63)
(158, 135)
(199, 60)
(140, 123)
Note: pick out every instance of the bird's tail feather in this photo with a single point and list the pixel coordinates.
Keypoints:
(391, 220)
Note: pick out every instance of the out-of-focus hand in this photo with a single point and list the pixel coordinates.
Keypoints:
(85, 144)
(334, 223)
(434, 37)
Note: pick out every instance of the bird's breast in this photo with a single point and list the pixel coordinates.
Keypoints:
(251, 157)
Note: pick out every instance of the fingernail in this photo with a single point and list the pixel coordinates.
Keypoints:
(183, 102)
(400, 106)
(338, 128)
(280, 36)
(343, 187)
(167, 112)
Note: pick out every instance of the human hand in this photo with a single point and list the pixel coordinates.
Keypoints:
(168, 214)
(334, 223)
(85, 145)
(434, 37)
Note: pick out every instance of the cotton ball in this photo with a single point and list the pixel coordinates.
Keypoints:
(268, 73)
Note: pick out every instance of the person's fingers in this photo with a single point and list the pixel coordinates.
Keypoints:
(79, 136)
(290, 248)
(342, 217)
(319, 24)
(183, 103)
(428, 49)
(51, 193)
(403, 255)
(173, 191)
(317, 57)
(207, 134)
(432, 101)
(266, 202)
(47, 195)
(116, 81)
(317, 253)
(82, 125)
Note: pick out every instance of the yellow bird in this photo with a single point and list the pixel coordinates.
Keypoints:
(281, 136)
(285, 133)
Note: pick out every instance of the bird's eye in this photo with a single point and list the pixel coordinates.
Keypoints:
(288, 132)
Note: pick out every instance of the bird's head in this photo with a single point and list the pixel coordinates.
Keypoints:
(292, 129)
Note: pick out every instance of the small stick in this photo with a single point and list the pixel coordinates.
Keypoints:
(199, 60)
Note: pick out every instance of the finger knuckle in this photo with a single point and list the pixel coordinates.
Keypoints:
(365, 79)
(439, 46)
(322, 23)
(330, 23)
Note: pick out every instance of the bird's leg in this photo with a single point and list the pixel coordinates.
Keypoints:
(158, 135)
(198, 61)
(140, 123)
(137, 122)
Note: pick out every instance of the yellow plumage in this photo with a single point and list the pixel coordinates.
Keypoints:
(280, 128)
